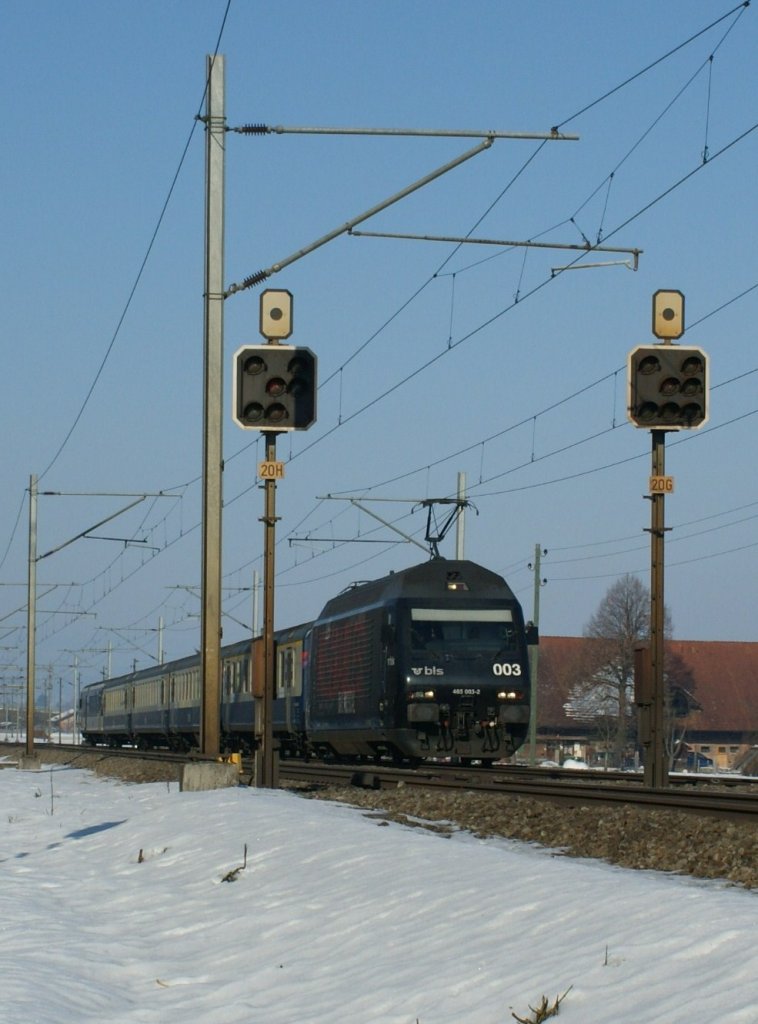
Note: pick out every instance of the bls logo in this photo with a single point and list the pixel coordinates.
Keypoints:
(428, 670)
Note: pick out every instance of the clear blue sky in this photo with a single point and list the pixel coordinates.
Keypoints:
(527, 397)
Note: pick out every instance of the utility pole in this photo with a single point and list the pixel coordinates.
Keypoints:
(31, 621)
(31, 616)
(267, 763)
(656, 766)
(76, 698)
(534, 651)
(460, 526)
(210, 628)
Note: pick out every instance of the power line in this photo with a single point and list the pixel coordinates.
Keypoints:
(140, 271)
(632, 78)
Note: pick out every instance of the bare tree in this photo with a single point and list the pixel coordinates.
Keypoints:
(680, 702)
(620, 623)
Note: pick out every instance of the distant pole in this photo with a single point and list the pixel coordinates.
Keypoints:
(31, 616)
(460, 526)
(534, 659)
(76, 698)
(210, 628)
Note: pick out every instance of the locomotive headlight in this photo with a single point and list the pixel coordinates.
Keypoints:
(510, 695)
(421, 695)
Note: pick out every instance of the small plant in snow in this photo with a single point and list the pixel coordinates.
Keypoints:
(544, 1010)
(231, 876)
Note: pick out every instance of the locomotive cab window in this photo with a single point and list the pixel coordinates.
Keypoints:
(451, 631)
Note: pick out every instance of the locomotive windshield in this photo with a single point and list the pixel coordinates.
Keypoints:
(462, 632)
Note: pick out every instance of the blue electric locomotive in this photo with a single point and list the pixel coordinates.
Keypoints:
(427, 662)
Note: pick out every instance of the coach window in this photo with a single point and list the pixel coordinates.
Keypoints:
(288, 676)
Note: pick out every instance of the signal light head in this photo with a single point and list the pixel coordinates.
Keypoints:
(253, 412)
(692, 386)
(647, 412)
(297, 365)
(690, 413)
(669, 412)
(254, 365)
(692, 365)
(648, 365)
(276, 413)
(274, 387)
(667, 387)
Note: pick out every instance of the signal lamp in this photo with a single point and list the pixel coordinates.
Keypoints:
(667, 387)
(253, 412)
(274, 387)
(668, 314)
(254, 364)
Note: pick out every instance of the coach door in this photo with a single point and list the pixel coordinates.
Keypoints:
(289, 676)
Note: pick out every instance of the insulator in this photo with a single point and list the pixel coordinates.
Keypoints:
(254, 279)
(253, 129)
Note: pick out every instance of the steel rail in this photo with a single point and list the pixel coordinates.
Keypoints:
(736, 806)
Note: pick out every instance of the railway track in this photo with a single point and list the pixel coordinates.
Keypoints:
(569, 789)
(716, 802)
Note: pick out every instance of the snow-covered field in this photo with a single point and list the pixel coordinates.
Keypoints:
(122, 903)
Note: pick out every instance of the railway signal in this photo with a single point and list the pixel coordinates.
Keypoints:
(275, 314)
(274, 387)
(668, 314)
(667, 387)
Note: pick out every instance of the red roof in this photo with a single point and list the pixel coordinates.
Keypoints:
(724, 682)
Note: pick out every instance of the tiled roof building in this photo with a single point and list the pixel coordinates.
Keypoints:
(720, 687)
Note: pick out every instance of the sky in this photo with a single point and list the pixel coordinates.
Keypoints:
(436, 359)
(115, 909)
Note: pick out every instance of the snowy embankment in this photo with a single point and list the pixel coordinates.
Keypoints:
(116, 909)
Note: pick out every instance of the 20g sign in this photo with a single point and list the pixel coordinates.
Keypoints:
(661, 485)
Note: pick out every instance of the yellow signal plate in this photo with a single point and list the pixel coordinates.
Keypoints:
(271, 470)
(661, 485)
